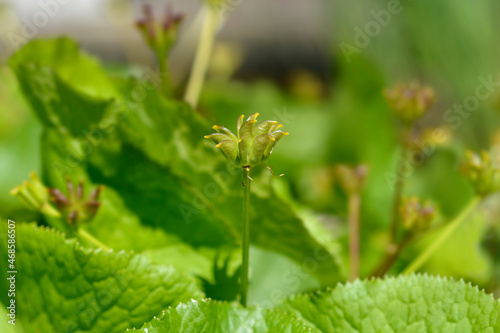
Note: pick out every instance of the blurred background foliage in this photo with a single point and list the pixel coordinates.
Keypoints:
(284, 61)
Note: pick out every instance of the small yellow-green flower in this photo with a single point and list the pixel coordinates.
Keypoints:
(410, 101)
(481, 172)
(252, 143)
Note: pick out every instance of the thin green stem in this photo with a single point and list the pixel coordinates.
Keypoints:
(165, 84)
(47, 209)
(399, 186)
(84, 234)
(445, 234)
(246, 239)
(354, 206)
(202, 57)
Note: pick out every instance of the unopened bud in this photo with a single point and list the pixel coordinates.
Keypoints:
(34, 195)
(410, 101)
(482, 172)
(351, 179)
(416, 217)
(160, 35)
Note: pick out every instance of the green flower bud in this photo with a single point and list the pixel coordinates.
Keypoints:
(252, 144)
(481, 172)
(351, 179)
(415, 216)
(410, 101)
(35, 196)
(160, 35)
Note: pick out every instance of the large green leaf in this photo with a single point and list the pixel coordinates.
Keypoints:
(142, 199)
(5, 327)
(62, 287)
(472, 264)
(222, 317)
(65, 89)
(417, 304)
(63, 56)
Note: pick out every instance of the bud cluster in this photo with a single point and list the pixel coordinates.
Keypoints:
(415, 216)
(482, 172)
(410, 101)
(160, 35)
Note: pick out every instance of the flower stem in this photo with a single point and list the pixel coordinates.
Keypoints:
(445, 234)
(202, 57)
(246, 240)
(354, 206)
(165, 83)
(399, 186)
(84, 234)
(390, 258)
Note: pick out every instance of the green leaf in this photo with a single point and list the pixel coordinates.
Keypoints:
(75, 68)
(132, 190)
(5, 327)
(63, 287)
(66, 89)
(222, 317)
(417, 304)
(472, 264)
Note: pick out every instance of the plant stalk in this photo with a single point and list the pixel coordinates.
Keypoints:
(445, 234)
(246, 240)
(202, 56)
(354, 206)
(84, 234)
(390, 258)
(165, 83)
(399, 186)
